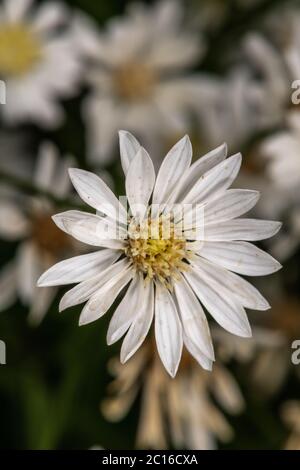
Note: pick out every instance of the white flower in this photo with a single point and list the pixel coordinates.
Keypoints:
(282, 154)
(251, 99)
(282, 151)
(138, 76)
(27, 220)
(182, 411)
(170, 277)
(193, 419)
(38, 62)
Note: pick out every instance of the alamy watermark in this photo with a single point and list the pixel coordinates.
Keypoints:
(296, 94)
(176, 221)
(2, 92)
(295, 357)
(2, 353)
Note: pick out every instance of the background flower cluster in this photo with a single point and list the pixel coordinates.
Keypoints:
(76, 72)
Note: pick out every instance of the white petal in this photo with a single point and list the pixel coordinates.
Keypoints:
(168, 330)
(242, 290)
(140, 180)
(194, 321)
(91, 229)
(49, 15)
(86, 35)
(125, 313)
(13, 223)
(102, 116)
(201, 166)
(231, 204)
(142, 322)
(28, 270)
(86, 289)
(226, 206)
(129, 147)
(78, 269)
(97, 194)
(214, 181)
(241, 229)
(40, 305)
(51, 172)
(240, 257)
(174, 53)
(227, 392)
(102, 300)
(172, 170)
(196, 352)
(217, 300)
(16, 9)
(45, 167)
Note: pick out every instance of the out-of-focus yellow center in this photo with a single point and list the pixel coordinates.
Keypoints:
(20, 49)
(156, 250)
(134, 82)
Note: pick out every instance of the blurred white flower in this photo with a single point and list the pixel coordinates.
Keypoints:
(138, 76)
(252, 99)
(282, 154)
(184, 412)
(38, 61)
(291, 52)
(291, 416)
(283, 321)
(230, 109)
(168, 275)
(283, 26)
(28, 220)
(282, 151)
(235, 348)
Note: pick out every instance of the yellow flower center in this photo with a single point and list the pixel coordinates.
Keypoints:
(134, 82)
(156, 250)
(19, 49)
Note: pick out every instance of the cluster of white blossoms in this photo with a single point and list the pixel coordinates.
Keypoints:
(169, 279)
(38, 61)
(140, 76)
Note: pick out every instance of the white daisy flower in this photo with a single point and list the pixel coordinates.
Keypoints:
(38, 61)
(138, 76)
(170, 276)
(27, 220)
